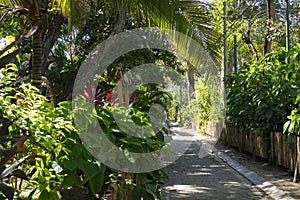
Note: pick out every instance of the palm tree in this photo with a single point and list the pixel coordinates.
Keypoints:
(37, 16)
(188, 17)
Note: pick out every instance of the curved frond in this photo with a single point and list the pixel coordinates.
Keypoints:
(75, 10)
(192, 18)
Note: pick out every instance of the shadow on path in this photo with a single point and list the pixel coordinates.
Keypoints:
(191, 178)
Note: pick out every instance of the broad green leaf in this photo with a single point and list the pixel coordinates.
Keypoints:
(66, 105)
(139, 193)
(96, 183)
(70, 180)
(286, 126)
(292, 127)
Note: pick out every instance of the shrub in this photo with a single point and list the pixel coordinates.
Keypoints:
(264, 93)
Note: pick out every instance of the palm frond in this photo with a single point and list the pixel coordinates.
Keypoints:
(186, 16)
(75, 10)
(10, 3)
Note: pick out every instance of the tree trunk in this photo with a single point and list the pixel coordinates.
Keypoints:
(191, 80)
(37, 54)
(53, 32)
(247, 39)
(37, 43)
(271, 21)
(38, 9)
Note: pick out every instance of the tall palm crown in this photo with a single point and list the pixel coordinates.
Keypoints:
(36, 14)
(192, 18)
(188, 17)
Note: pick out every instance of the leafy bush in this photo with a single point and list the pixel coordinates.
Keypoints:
(48, 151)
(292, 126)
(135, 122)
(263, 94)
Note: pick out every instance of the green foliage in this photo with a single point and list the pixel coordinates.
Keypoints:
(248, 20)
(206, 104)
(64, 160)
(50, 142)
(120, 137)
(263, 94)
(293, 125)
(149, 95)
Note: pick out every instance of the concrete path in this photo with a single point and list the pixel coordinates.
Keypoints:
(191, 177)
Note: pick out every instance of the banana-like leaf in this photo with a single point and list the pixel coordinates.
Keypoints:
(12, 168)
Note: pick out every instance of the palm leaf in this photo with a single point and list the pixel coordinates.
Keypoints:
(191, 18)
(75, 10)
(186, 16)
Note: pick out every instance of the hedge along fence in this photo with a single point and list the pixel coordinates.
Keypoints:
(280, 149)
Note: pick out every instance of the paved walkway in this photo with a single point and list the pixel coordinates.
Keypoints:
(191, 177)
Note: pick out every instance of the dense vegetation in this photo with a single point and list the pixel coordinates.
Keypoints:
(262, 95)
(43, 44)
(41, 151)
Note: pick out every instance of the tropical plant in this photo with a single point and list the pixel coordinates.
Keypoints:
(9, 155)
(144, 185)
(160, 13)
(263, 94)
(36, 15)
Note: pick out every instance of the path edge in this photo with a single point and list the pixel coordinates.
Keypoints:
(260, 182)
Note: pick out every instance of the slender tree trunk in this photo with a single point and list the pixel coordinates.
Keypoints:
(247, 39)
(191, 80)
(37, 43)
(37, 54)
(38, 9)
(271, 21)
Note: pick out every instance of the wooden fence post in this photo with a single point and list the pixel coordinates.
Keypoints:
(272, 153)
(297, 160)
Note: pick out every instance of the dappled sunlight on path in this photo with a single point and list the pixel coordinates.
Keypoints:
(191, 177)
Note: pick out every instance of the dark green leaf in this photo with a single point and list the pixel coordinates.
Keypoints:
(70, 180)
(20, 174)
(139, 193)
(269, 114)
(7, 191)
(96, 183)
